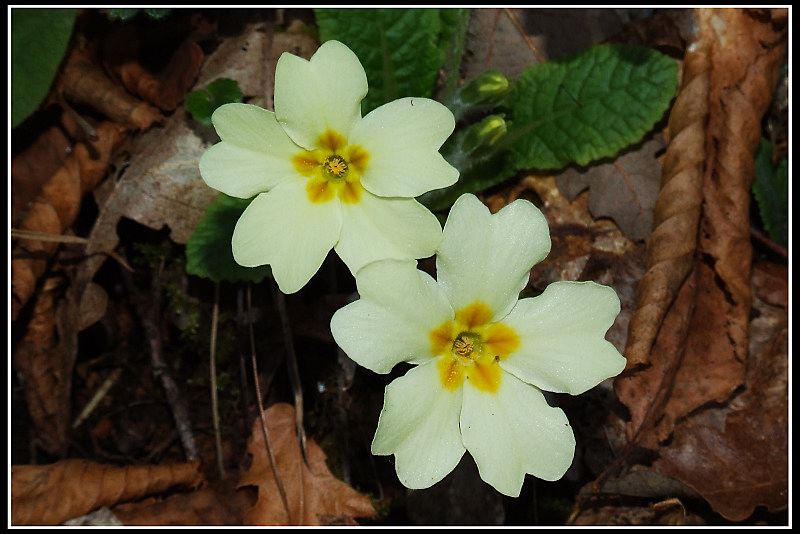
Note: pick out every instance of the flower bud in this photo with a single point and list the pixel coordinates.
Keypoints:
(487, 89)
(485, 133)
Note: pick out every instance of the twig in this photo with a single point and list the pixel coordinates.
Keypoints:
(58, 238)
(263, 416)
(101, 392)
(150, 321)
(213, 378)
(291, 365)
(762, 238)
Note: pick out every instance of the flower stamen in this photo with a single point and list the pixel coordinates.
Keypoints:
(335, 166)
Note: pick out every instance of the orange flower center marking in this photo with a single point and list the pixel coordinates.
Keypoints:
(333, 170)
(470, 348)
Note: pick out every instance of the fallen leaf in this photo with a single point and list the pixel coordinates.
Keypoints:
(669, 512)
(209, 506)
(102, 517)
(45, 371)
(56, 208)
(51, 494)
(314, 496)
(93, 303)
(700, 358)
(166, 89)
(84, 82)
(34, 166)
(736, 457)
(624, 190)
(509, 40)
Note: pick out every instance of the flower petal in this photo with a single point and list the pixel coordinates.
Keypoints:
(403, 139)
(393, 320)
(488, 258)
(514, 431)
(419, 425)
(320, 94)
(562, 333)
(378, 228)
(240, 172)
(254, 128)
(283, 229)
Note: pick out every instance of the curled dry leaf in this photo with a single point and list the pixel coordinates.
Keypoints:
(84, 82)
(314, 495)
(166, 89)
(701, 340)
(56, 207)
(45, 372)
(51, 494)
(34, 166)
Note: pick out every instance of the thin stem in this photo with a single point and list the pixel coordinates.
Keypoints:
(263, 415)
(179, 411)
(291, 365)
(213, 378)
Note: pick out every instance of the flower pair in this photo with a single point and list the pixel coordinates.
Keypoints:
(327, 178)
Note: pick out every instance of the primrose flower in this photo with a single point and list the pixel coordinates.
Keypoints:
(326, 177)
(482, 355)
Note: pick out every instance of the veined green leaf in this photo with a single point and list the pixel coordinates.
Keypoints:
(588, 107)
(401, 50)
(208, 251)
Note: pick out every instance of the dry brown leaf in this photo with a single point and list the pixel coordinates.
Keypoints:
(45, 372)
(314, 495)
(669, 512)
(672, 243)
(51, 494)
(34, 166)
(736, 457)
(205, 507)
(56, 207)
(706, 363)
(511, 40)
(166, 89)
(84, 82)
(624, 190)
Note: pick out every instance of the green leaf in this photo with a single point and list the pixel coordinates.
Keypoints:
(203, 102)
(588, 107)
(771, 191)
(39, 39)
(208, 251)
(453, 38)
(124, 14)
(401, 50)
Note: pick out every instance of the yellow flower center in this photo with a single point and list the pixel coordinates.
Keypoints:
(470, 348)
(333, 170)
(336, 166)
